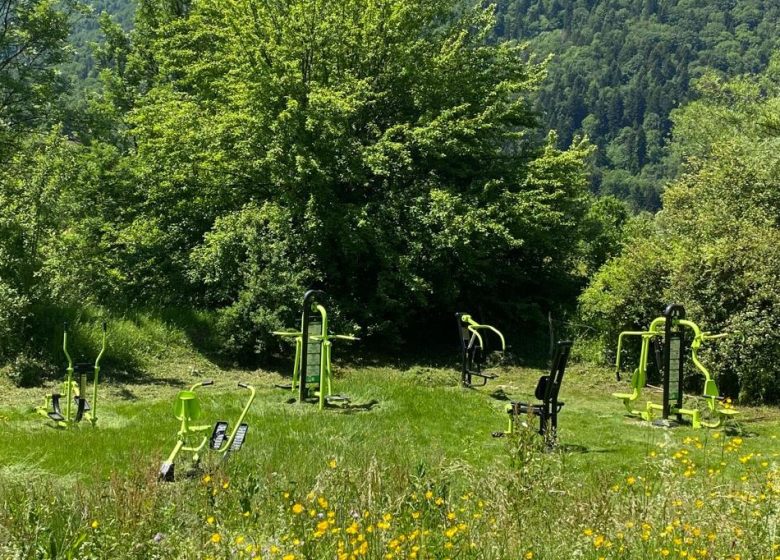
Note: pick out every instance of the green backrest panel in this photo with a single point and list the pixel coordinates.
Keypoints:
(186, 406)
(710, 389)
(314, 350)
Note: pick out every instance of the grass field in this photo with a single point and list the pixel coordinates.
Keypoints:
(413, 475)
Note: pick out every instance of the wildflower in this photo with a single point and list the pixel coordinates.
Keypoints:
(451, 516)
(210, 520)
(598, 542)
(631, 481)
(95, 524)
(206, 479)
(332, 464)
(428, 495)
(297, 509)
(587, 532)
(239, 540)
(528, 555)
(288, 557)
(216, 538)
(323, 503)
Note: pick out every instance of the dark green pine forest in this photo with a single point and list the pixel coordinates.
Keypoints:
(202, 163)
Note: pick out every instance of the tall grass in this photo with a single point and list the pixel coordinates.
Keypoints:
(415, 476)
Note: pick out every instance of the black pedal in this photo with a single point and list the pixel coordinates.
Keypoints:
(337, 398)
(219, 434)
(55, 405)
(167, 472)
(238, 441)
(56, 416)
(76, 400)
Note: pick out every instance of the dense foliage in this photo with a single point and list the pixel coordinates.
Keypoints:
(715, 247)
(237, 153)
(622, 66)
(241, 152)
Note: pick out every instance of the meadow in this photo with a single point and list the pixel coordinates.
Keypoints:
(410, 471)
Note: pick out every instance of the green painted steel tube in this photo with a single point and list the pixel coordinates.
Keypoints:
(229, 442)
(93, 416)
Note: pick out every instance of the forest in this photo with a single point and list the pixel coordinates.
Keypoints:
(412, 158)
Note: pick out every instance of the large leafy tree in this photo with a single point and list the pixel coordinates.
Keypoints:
(33, 37)
(385, 150)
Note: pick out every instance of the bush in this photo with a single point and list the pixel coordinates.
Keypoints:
(29, 371)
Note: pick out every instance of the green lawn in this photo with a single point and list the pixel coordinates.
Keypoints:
(415, 476)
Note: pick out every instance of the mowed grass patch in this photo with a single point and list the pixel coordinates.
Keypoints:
(409, 472)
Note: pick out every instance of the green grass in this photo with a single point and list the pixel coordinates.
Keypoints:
(424, 436)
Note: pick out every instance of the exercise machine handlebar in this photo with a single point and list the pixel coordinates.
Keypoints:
(474, 328)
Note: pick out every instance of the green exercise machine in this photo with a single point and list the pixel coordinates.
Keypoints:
(312, 374)
(192, 439)
(667, 336)
(474, 349)
(77, 407)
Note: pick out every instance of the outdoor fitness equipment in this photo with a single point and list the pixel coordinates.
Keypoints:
(187, 409)
(474, 349)
(547, 390)
(312, 353)
(670, 329)
(75, 393)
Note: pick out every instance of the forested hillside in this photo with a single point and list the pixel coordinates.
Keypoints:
(82, 68)
(622, 66)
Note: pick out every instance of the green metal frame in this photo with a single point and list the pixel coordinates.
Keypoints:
(470, 345)
(187, 409)
(320, 342)
(74, 391)
(666, 327)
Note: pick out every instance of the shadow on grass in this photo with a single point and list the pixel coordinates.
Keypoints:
(581, 449)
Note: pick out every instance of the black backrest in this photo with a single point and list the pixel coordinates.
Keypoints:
(552, 385)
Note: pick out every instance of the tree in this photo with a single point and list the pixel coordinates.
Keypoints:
(714, 246)
(33, 36)
(384, 150)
